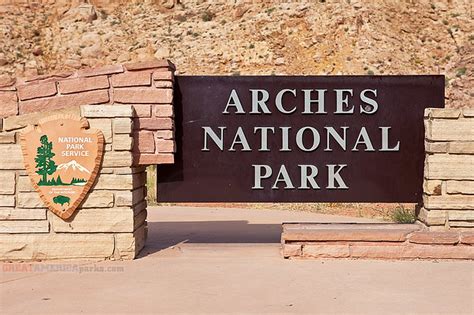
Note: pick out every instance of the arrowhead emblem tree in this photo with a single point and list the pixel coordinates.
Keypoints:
(44, 160)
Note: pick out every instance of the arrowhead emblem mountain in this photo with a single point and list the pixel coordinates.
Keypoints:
(74, 166)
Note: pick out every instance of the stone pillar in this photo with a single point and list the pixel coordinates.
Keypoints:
(448, 200)
(111, 221)
(133, 106)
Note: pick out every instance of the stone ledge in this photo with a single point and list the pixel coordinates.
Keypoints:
(364, 232)
(373, 241)
(446, 113)
(150, 64)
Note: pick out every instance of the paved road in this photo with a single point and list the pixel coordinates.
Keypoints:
(227, 261)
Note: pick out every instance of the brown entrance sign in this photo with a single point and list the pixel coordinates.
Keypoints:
(309, 139)
(62, 159)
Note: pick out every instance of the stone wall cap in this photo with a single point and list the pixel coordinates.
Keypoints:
(445, 113)
(348, 226)
(102, 70)
(53, 75)
(330, 232)
(150, 64)
(468, 112)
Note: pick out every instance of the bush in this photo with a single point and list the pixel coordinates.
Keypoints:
(207, 16)
(461, 71)
(402, 215)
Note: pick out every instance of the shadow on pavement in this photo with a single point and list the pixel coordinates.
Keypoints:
(162, 235)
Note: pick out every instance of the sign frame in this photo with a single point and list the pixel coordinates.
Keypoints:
(202, 100)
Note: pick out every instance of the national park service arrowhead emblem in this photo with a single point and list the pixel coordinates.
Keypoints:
(62, 158)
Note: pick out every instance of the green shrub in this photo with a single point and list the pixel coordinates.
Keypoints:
(402, 215)
(207, 16)
(461, 71)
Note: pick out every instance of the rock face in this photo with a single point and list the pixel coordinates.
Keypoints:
(345, 37)
(81, 13)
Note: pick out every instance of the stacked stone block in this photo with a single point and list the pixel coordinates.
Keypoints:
(448, 200)
(111, 221)
(133, 106)
(147, 86)
(445, 223)
(374, 241)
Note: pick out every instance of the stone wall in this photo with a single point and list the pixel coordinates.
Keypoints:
(147, 86)
(374, 241)
(448, 201)
(132, 105)
(445, 227)
(111, 221)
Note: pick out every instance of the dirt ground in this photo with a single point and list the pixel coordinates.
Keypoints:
(227, 261)
(382, 211)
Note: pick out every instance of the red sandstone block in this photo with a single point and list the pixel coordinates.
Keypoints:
(163, 76)
(135, 78)
(326, 251)
(83, 84)
(442, 252)
(142, 110)
(386, 252)
(291, 250)
(7, 83)
(347, 231)
(8, 104)
(438, 251)
(49, 77)
(164, 110)
(434, 238)
(347, 235)
(35, 90)
(153, 123)
(84, 98)
(100, 71)
(164, 134)
(163, 84)
(143, 95)
(165, 146)
(150, 159)
(412, 251)
(467, 238)
(149, 64)
(144, 141)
